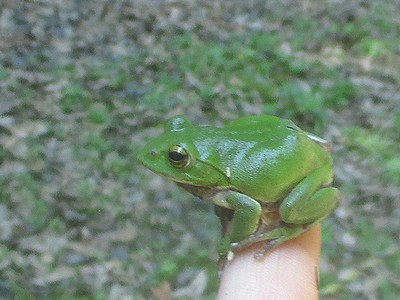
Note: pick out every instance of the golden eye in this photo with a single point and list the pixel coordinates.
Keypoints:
(178, 156)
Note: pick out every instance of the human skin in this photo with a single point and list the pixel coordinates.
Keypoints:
(289, 271)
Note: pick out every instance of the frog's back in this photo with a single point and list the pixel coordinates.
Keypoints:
(259, 124)
(266, 155)
(265, 131)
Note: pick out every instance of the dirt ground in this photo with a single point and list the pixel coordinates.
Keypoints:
(75, 220)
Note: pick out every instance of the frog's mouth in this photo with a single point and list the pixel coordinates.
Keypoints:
(205, 193)
(198, 191)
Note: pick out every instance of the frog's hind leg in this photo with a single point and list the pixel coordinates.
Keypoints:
(311, 210)
(309, 201)
(297, 216)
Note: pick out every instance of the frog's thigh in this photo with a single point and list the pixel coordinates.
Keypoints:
(246, 215)
(307, 202)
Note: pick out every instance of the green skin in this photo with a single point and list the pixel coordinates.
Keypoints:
(273, 176)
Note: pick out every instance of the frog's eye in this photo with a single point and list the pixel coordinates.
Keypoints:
(178, 156)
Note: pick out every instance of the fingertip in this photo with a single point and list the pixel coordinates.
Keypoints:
(287, 272)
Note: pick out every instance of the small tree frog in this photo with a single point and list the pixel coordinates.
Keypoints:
(268, 179)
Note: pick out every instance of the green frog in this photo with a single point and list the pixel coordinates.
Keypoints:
(268, 179)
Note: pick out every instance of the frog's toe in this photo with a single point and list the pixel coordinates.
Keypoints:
(268, 246)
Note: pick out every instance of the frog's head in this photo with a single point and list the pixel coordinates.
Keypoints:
(174, 155)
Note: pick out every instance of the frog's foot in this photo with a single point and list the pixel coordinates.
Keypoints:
(268, 246)
(272, 238)
(223, 260)
(289, 233)
(259, 236)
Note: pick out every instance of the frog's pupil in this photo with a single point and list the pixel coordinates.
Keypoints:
(176, 156)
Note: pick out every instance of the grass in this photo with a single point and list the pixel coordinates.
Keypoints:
(71, 129)
(381, 148)
(251, 69)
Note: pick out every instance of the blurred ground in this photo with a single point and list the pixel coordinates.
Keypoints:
(85, 83)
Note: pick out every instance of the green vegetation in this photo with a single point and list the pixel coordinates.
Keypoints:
(251, 69)
(80, 219)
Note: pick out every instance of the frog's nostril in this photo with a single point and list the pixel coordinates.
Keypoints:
(153, 152)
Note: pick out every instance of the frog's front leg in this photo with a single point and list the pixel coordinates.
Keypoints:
(245, 221)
